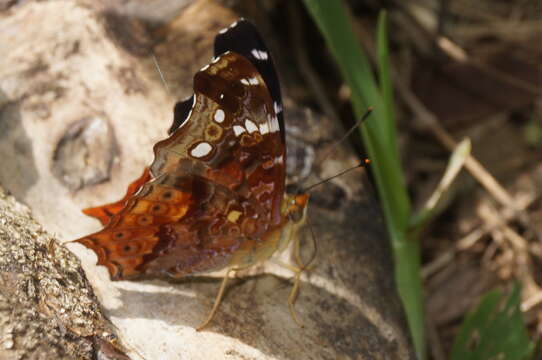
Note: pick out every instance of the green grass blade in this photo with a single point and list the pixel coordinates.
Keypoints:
(380, 140)
(495, 330)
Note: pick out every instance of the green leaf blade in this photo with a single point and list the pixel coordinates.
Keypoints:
(493, 331)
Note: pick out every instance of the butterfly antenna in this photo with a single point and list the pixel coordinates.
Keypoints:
(362, 164)
(335, 145)
(333, 148)
(160, 72)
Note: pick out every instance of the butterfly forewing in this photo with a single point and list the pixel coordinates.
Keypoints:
(232, 136)
(217, 182)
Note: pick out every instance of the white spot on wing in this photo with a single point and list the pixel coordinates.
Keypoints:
(250, 126)
(259, 54)
(201, 150)
(277, 107)
(274, 124)
(264, 128)
(238, 130)
(250, 81)
(222, 31)
(219, 116)
(204, 68)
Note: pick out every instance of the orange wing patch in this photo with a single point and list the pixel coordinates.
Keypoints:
(105, 212)
(132, 232)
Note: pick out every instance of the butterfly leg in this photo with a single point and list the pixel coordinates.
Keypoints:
(293, 296)
(297, 281)
(295, 289)
(297, 270)
(217, 300)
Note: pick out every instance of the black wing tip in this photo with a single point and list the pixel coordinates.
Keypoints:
(243, 37)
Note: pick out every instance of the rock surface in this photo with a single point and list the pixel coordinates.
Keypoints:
(47, 307)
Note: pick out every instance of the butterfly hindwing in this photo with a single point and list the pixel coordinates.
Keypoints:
(175, 225)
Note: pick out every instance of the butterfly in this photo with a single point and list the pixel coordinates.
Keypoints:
(214, 197)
